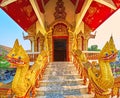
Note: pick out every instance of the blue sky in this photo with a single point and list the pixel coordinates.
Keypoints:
(10, 31)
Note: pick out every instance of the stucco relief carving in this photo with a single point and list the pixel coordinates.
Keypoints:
(60, 30)
(60, 10)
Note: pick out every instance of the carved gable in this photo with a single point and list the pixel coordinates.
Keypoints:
(60, 30)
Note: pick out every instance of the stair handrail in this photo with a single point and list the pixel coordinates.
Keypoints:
(80, 61)
(39, 74)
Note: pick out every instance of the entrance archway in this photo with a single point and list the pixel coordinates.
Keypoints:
(60, 40)
(60, 48)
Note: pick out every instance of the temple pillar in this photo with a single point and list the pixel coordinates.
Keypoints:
(85, 44)
(32, 46)
(42, 44)
(50, 46)
(87, 36)
(80, 40)
(32, 43)
(70, 44)
(35, 44)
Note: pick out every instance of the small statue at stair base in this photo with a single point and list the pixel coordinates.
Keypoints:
(103, 80)
(25, 77)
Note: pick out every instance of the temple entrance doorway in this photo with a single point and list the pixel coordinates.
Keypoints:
(60, 49)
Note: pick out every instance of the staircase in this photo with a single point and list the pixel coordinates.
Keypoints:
(61, 80)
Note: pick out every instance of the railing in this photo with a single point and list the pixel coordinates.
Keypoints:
(92, 55)
(43, 61)
(6, 93)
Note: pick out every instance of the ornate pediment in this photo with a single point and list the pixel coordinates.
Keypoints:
(60, 30)
(60, 10)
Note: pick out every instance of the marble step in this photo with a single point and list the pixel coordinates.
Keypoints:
(61, 72)
(61, 96)
(69, 96)
(82, 96)
(67, 63)
(46, 77)
(61, 80)
(54, 88)
(76, 93)
(64, 83)
(60, 68)
(60, 92)
(60, 64)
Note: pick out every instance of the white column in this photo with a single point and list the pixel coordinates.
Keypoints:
(32, 45)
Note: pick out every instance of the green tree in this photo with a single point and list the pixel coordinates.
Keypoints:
(93, 48)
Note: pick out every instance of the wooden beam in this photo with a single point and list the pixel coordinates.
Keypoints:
(76, 5)
(79, 6)
(81, 15)
(107, 4)
(6, 2)
(39, 15)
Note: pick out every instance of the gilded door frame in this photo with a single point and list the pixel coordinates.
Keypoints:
(67, 45)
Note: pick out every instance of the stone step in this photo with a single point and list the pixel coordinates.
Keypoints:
(61, 80)
(61, 73)
(61, 88)
(46, 77)
(57, 64)
(52, 63)
(59, 92)
(60, 68)
(69, 96)
(75, 75)
(68, 83)
(82, 96)
(57, 96)
(61, 83)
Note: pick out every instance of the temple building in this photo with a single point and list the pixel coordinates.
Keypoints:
(59, 26)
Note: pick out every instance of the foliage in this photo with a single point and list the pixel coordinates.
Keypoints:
(3, 62)
(93, 48)
(115, 66)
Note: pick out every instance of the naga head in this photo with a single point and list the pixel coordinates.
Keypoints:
(109, 51)
(14, 50)
(80, 54)
(18, 56)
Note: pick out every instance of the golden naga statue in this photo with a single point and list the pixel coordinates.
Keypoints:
(102, 79)
(25, 77)
(115, 90)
